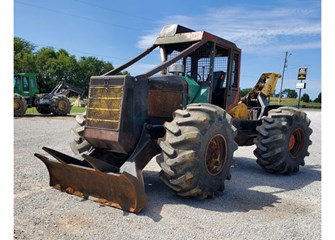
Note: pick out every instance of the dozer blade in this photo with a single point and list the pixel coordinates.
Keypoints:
(121, 188)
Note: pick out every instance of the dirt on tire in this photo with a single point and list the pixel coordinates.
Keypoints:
(60, 105)
(79, 143)
(283, 140)
(197, 151)
(20, 105)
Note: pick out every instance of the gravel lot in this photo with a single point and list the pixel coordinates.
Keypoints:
(255, 204)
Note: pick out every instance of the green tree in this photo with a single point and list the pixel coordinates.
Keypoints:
(318, 99)
(125, 73)
(245, 91)
(90, 66)
(55, 66)
(289, 93)
(305, 98)
(44, 61)
(24, 60)
(64, 67)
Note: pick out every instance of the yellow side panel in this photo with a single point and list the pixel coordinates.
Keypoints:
(270, 85)
(240, 111)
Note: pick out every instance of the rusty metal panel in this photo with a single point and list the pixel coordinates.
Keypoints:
(163, 104)
(91, 177)
(180, 38)
(116, 112)
(166, 94)
(104, 179)
(104, 139)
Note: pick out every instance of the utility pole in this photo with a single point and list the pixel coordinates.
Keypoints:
(282, 77)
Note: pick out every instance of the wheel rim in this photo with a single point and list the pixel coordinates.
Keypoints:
(62, 105)
(296, 142)
(216, 155)
(16, 105)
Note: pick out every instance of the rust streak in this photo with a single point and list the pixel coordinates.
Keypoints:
(105, 109)
(113, 98)
(102, 120)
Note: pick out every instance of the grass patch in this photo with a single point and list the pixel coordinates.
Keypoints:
(294, 103)
(77, 110)
(284, 101)
(74, 110)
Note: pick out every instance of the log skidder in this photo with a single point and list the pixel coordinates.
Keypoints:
(283, 140)
(186, 113)
(197, 151)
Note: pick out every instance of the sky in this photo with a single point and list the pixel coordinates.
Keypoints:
(116, 31)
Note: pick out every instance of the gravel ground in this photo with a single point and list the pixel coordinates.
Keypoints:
(254, 205)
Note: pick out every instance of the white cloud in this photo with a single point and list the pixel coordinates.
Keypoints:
(277, 29)
(147, 40)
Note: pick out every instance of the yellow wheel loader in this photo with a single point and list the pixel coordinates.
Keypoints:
(186, 114)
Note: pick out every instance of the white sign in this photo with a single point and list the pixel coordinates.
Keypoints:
(301, 85)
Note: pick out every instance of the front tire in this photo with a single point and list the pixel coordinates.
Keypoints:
(197, 151)
(79, 143)
(283, 140)
(20, 105)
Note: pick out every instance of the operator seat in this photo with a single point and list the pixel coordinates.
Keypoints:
(218, 88)
(218, 79)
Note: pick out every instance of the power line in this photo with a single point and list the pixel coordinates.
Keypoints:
(88, 53)
(115, 10)
(83, 52)
(78, 16)
(85, 18)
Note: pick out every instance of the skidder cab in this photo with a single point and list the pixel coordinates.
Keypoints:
(185, 113)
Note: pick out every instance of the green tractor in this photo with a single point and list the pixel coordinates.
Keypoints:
(186, 113)
(25, 90)
(26, 94)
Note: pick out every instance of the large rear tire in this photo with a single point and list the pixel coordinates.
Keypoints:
(20, 105)
(60, 105)
(43, 109)
(283, 140)
(197, 151)
(79, 143)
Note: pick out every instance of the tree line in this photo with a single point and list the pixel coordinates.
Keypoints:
(288, 93)
(52, 66)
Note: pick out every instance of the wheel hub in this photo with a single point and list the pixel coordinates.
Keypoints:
(296, 142)
(62, 105)
(216, 155)
(16, 105)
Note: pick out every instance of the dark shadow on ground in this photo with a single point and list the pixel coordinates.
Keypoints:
(31, 115)
(237, 197)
